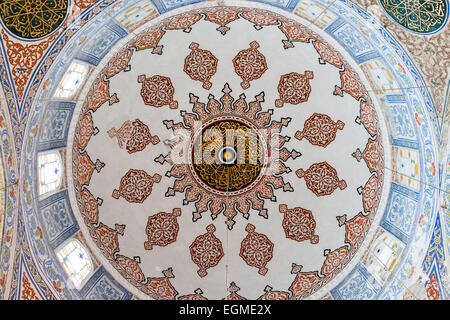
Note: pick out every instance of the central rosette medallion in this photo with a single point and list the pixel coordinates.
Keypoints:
(228, 155)
(224, 149)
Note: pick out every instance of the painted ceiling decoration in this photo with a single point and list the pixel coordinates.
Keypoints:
(279, 149)
(228, 156)
(423, 17)
(33, 19)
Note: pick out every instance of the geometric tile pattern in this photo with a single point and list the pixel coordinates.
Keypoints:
(400, 215)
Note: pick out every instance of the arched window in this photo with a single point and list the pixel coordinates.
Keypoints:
(50, 171)
(75, 261)
(71, 81)
(384, 256)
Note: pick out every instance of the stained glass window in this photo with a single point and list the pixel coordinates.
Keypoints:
(71, 81)
(384, 256)
(50, 171)
(75, 261)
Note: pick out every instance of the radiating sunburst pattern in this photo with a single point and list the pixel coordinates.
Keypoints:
(212, 191)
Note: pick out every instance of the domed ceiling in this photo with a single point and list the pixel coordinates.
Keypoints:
(226, 149)
(245, 121)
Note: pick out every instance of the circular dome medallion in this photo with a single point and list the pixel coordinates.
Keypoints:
(33, 19)
(177, 207)
(228, 155)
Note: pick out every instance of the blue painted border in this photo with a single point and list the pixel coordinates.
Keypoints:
(161, 6)
(359, 59)
(116, 29)
(96, 277)
(290, 6)
(57, 143)
(68, 13)
(68, 231)
(369, 280)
